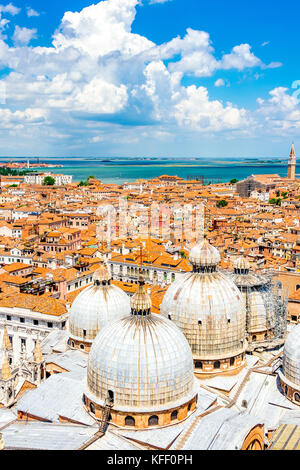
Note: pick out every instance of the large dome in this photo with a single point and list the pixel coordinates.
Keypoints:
(209, 309)
(96, 306)
(291, 357)
(143, 361)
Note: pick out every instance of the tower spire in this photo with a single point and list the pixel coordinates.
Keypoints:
(292, 163)
(6, 344)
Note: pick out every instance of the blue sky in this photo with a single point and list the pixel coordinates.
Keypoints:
(129, 77)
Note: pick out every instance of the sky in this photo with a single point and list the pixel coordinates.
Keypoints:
(176, 78)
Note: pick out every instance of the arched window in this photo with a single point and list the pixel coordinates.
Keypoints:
(285, 390)
(92, 408)
(110, 395)
(198, 365)
(153, 420)
(129, 421)
(189, 407)
(297, 397)
(217, 365)
(174, 415)
(232, 361)
(82, 346)
(266, 335)
(72, 344)
(254, 338)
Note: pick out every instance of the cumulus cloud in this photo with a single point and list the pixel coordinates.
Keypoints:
(281, 110)
(23, 36)
(31, 12)
(219, 82)
(99, 72)
(10, 8)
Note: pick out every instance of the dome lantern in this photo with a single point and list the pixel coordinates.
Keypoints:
(204, 257)
(141, 302)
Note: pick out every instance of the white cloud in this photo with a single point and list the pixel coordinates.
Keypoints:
(219, 82)
(98, 72)
(22, 36)
(153, 2)
(31, 12)
(10, 8)
(281, 110)
(197, 111)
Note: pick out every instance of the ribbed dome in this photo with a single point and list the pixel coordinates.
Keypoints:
(291, 357)
(145, 361)
(204, 255)
(94, 307)
(209, 309)
(241, 264)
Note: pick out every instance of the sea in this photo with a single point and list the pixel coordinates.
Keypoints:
(120, 170)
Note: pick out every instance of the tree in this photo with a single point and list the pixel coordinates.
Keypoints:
(275, 201)
(222, 203)
(83, 183)
(49, 181)
(233, 181)
(284, 194)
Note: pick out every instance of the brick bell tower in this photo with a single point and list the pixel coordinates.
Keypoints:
(292, 164)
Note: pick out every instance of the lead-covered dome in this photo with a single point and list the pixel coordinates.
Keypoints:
(290, 375)
(145, 363)
(96, 306)
(208, 307)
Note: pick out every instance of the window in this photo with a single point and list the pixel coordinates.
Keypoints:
(8, 317)
(82, 346)
(217, 365)
(50, 324)
(35, 322)
(63, 324)
(198, 365)
(232, 361)
(92, 408)
(23, 342)
(84, 333)
(129, 421)
(153, 420)
(22, 320)
(174, 415)
(297, 397)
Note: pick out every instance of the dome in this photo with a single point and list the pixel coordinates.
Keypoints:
(204, 255)
(241, 264)
(143, 361)
(96, 306)
(259, 300)
(208, 307)
(291, 357)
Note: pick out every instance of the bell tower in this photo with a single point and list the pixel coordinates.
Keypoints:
(292, 164)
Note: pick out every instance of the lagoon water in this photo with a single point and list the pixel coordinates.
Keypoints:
(113, 170)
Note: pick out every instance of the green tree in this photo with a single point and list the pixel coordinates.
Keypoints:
(284, 194)
(222, 203)
(49, 181)
(83, 183)
(233, 181)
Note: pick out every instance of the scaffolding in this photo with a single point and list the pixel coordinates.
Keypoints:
(266, 303)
